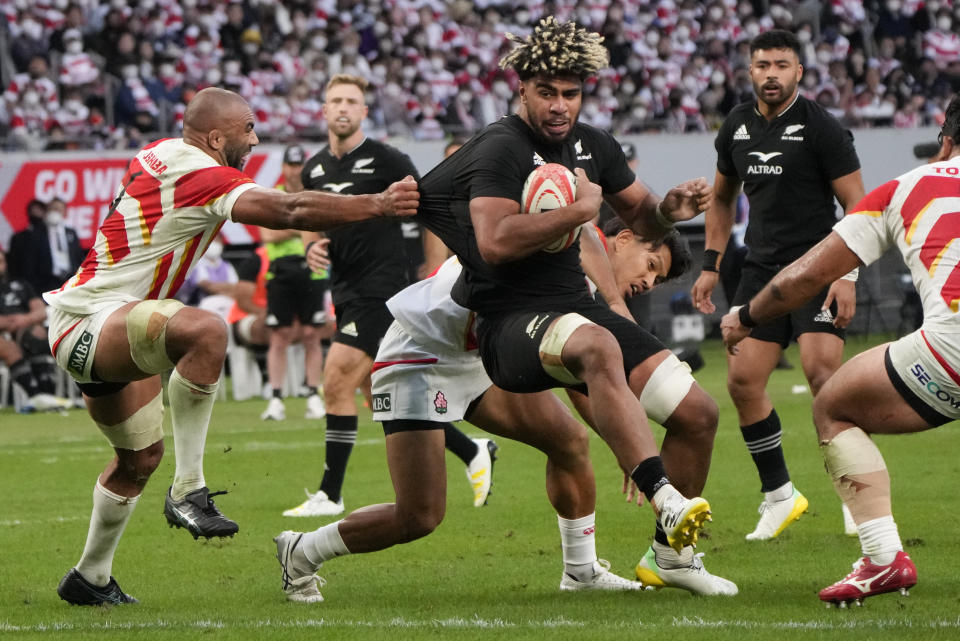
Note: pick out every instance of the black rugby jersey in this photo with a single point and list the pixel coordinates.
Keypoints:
(496, 163)
(786, 166)
(15, 296)
(367, 259)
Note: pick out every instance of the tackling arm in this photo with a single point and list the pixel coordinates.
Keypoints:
(318, 210)
(596, 265)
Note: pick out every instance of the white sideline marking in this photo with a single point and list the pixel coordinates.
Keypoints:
(479, 623)
(56, 519)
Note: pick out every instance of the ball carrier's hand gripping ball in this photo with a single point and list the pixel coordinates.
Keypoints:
(550, 187)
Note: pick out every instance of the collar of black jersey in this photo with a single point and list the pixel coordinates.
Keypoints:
(789, 107)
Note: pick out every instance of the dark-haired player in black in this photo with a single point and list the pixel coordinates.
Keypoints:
(792, 158)
(367, 266)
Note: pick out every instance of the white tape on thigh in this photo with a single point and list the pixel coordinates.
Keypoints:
(666, 388)
(147, 333)
(551, 346)
(142, 429)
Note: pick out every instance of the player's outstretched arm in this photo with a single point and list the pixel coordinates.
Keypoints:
(796, 284)
(650, 216)
(318, 210)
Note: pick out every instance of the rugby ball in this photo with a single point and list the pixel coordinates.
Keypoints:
(548, 187)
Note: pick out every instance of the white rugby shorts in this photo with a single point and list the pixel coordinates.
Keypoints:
(73, 339)
(413, 382)
(928, 363)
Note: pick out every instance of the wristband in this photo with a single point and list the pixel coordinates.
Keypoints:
(710, 259)
(745, 319)
(662, 219)
(852, 275)
(306, 250)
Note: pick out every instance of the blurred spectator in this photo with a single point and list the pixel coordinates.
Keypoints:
(433, 64)
(23, 342)
(47, 252)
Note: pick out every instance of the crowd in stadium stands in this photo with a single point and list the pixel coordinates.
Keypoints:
(88, 73)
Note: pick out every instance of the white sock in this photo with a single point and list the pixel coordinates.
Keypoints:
(782, 493)
(880, 540)
(321, 545)
(190, 407)
(579, 545)
(107, 522)
(668, 558)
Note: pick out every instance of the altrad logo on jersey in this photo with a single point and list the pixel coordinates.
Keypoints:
(765, 169)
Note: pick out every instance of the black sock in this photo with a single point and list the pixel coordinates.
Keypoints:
(650, 476)
(278, 393)
(763, 441)
(311, 390)
(22, 374)
(660, 536)
(459, 443)
(341, 435)
(45, 373)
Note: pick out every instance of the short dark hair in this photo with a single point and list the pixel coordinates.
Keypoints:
(681, 259)
(951, 120)
(776, 39)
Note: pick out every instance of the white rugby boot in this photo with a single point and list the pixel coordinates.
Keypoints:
(681, 518)
(299, 586)
(317, 504)
(602, 579)
(777, 515)
(683, 570)
(275, 411)
(315, 407)
(480, 470)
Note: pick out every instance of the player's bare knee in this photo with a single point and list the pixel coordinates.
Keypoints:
(418, 524)
(137, 466)
(591, 352)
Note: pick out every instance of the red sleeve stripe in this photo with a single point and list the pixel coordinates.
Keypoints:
(205, 185)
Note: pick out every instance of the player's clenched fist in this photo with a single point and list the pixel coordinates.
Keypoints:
(401, 198)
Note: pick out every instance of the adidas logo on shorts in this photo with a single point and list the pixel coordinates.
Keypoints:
(741, 133)
(350, 329)
(823, 317)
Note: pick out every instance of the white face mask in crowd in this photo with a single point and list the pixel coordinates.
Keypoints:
(214, 251)
(53, 217)
(74, 46)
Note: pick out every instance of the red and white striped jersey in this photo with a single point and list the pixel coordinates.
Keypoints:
(942, 46)
(172, 202)
(919, 213)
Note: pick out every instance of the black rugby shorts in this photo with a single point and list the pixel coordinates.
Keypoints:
(807, 319)
(510, 344)
(362, 323)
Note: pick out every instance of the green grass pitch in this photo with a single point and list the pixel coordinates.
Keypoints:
(488, 573)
